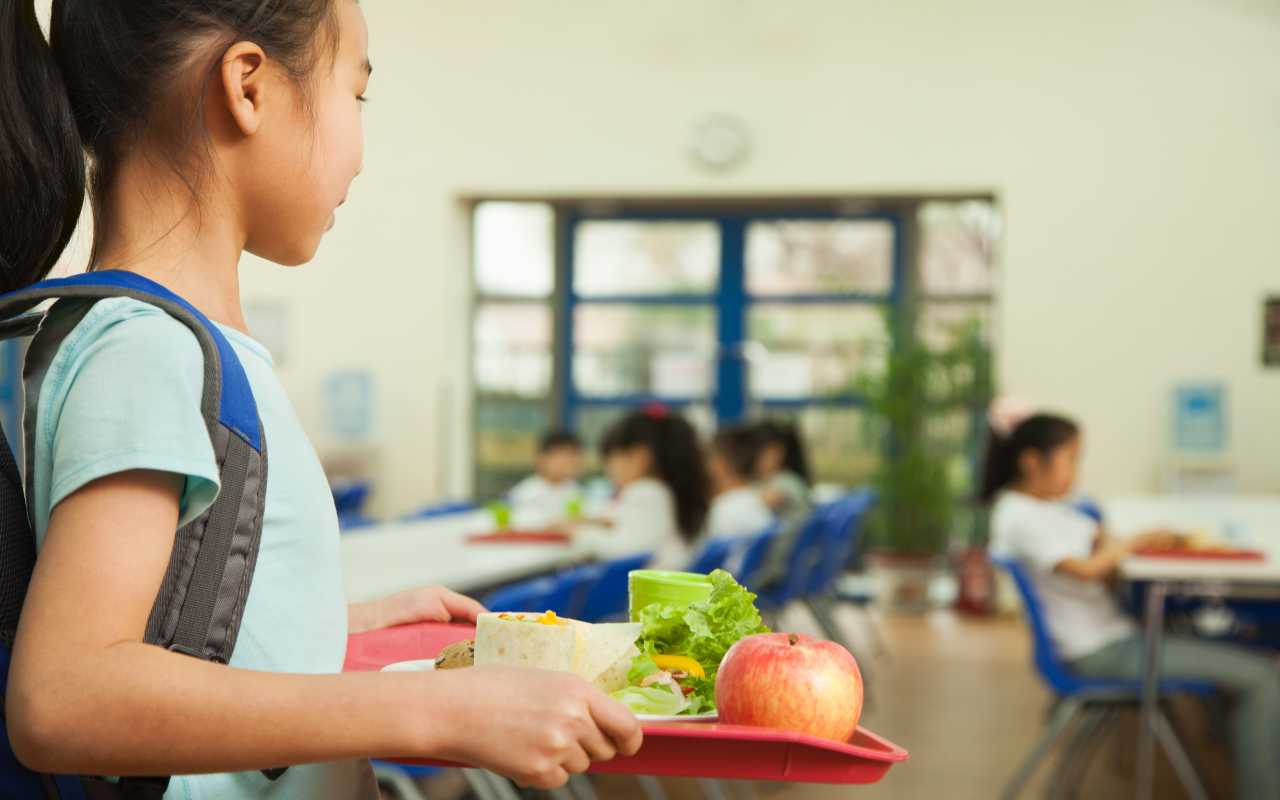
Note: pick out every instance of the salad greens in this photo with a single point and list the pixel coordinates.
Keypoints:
(703, 631)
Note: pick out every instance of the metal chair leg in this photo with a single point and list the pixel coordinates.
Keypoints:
(713, 789)
(1075, 759)
(651, 787)
(1075, 780)
(581, 788)
(404, 786)
(488, 786)
(1063, 714)
(1178, 758)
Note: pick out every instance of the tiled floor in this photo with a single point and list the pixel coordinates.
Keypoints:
(960, 695)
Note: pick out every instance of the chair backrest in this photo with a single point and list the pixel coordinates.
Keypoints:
(806, 555)
(531, 595)
(354, 520)
(1053, 670)
(713, 555)
(841, 526)
(754, 556)
(349, 495)
(607, 597)
(445, 509)
(572, 586)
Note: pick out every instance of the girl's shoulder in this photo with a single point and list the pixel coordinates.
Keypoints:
(121, 327)
(647, 490)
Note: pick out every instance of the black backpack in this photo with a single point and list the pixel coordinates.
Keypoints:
(201, 600)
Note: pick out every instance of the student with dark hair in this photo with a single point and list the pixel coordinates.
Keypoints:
(211, 129)
(657, 466)
(736, 507)
(548, 496)
(782, 469)
(1030, 471)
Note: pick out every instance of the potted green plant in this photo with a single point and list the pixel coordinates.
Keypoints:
(923, 408)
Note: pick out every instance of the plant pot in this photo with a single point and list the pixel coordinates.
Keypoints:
(904, 579)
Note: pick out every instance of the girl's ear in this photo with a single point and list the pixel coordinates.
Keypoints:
(243, 76)
(1029, 463)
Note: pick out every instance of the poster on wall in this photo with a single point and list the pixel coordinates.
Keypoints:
(1200, 417)
(1271, 332)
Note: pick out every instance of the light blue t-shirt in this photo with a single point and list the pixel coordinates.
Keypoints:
(123, 393)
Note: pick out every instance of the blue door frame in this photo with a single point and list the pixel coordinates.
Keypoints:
(732, 302)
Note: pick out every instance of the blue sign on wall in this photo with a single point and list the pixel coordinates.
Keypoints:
(348, 403)
(1200, 417)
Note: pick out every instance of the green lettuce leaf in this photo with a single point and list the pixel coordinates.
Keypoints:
(703, 631)
(656, 700)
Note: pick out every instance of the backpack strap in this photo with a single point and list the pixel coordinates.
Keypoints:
(201, 600)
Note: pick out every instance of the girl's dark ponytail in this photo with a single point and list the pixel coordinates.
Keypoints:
(42, 163)
(1043, 433)
(678, 460)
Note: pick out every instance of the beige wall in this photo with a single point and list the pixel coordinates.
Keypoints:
(1135, 147)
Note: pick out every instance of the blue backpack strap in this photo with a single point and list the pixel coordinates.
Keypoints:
(201, 601)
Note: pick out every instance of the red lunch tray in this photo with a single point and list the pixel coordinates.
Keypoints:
(690, 749)
(520, 537)
(1204, 555)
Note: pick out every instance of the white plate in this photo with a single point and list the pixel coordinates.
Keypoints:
(429, 665)
(709, 716)
(423, 665)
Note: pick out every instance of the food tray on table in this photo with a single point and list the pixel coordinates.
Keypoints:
(1204, 554)
(731, 752)
(520, 537)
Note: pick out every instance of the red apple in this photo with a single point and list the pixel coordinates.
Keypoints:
(793, 682)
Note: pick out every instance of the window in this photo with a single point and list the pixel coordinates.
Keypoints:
(721, 311)
(512, 338)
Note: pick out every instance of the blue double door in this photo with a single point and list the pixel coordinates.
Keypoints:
(723, 316)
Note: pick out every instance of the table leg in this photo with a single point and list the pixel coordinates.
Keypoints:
(1156, 593)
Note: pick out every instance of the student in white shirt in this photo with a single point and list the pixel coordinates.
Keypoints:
(547, 497)
(656, 464)
(737, 509)
(1031, 468)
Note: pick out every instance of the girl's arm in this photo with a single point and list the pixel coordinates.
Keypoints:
(85, 695)
(1109, 551)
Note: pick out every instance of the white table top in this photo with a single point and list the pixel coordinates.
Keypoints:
(1241, 521)
(387, 558)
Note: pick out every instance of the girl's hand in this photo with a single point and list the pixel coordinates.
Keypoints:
(1159, 540)
(424, 604)
(534, 726)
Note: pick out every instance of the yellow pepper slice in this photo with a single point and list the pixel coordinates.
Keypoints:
(680, 664)
(549, 618)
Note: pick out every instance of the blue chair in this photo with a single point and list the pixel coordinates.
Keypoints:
(753, 558)
(806, 553)
(349, 495)
(606, 598)
(1097, 702)
(444, 509)
(531, 595)
(713, 555)
(354, 520)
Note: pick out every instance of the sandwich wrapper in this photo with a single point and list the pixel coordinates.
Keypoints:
(599, 654)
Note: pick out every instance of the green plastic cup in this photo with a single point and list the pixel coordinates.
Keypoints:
(649, 586)
(501, 515)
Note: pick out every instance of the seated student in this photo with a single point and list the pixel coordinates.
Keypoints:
(1030, 470)
(736, 508)
(782, 470)
(783, 480)
(547, 496)
(656, 465)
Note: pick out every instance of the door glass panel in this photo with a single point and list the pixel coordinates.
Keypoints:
(642, 349)
(813, 350)
(624, 257)
(816, 257)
